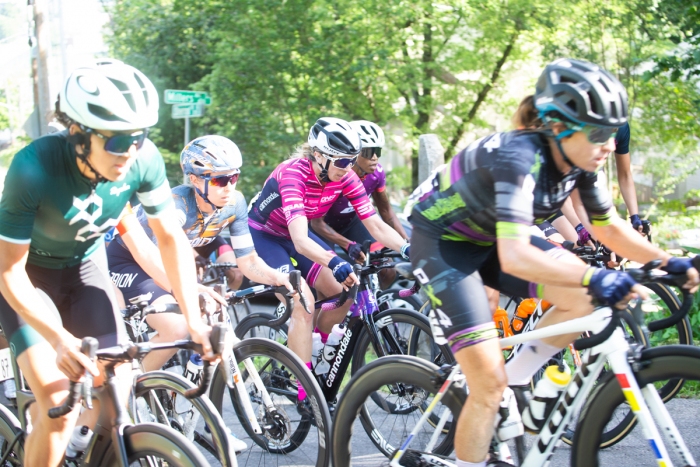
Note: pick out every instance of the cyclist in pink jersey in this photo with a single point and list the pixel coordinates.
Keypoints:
(302, 188)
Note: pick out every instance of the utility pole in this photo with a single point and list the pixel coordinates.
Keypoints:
(40, 68)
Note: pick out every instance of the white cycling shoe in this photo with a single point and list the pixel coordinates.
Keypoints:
(236, 443)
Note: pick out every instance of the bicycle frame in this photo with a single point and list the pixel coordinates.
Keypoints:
(616, 351)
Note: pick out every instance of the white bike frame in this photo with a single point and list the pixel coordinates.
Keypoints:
(645, 403)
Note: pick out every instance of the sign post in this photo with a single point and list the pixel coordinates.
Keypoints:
(187, 104)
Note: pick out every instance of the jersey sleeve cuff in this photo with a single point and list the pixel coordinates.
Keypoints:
(512, 231)
(17, 241)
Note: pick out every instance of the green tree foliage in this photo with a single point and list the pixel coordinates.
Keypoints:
(274, 66)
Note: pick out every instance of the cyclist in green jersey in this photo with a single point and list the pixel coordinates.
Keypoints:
(62, 193)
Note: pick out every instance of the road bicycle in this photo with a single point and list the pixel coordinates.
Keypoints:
(271, 425)
(633, 378)
(116, 441)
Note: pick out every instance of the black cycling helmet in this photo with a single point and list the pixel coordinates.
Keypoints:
(582, 93)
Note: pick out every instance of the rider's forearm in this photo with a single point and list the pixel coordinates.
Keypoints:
(147, 255)
(329, 234)
(255, 269)
(629, 194)
(179, 264)
(621, 238)
(313, 251)
(390, 218)
(383, 233)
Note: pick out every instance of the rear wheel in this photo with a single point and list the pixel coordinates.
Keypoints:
(10, 429)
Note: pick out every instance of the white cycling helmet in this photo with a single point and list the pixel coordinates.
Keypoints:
(335, 137)
(371, 134)
(110, 95)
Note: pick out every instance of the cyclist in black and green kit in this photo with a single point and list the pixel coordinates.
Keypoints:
(62, 193)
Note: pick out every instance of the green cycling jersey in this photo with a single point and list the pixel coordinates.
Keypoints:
(48, 204)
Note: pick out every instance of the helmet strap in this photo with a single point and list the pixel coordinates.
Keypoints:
(205, 196)
(84, 141)
(324, 171)
(557, 139)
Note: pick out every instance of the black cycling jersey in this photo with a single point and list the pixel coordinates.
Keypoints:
(498, 187)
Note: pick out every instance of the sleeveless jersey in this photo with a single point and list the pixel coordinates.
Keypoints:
(498, 187)
(342, 213)
(48, 204)
(201, 230)
(292, 190)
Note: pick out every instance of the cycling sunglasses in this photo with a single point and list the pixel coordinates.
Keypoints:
(222, 180)
(121, 142)
(368, 153)
(340, 162)
(595, 134)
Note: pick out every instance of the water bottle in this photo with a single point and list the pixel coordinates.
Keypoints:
(500, 317)
(316, 346)
(545, 395)
(79, 441)
(329, 350)
(193, 372)
(522, 313)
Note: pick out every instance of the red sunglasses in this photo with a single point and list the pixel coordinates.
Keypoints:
(223, 180)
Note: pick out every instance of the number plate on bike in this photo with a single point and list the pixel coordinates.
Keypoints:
(6, 365)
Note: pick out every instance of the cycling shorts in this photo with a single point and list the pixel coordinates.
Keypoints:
(219, 244)
(547, 229)
(80, 297)
(279, 253)
(129, 277)
(454, 275)
(354, 231)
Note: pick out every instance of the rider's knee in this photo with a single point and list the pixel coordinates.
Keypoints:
(174, 329)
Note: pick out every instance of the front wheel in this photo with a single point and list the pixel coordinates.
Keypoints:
(404, 380)
(287, 437)
(150, 444)
(659, 365)
(9, 429)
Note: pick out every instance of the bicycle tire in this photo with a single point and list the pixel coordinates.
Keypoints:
(410, 345)
(255, 323)
(9, 429)
(390, 299)
(148, 440)
(171, 382)
(290, 363)
(411, 371)
(658, 364)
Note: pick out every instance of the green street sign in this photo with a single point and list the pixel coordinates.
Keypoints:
(187, 110)
(175, 96)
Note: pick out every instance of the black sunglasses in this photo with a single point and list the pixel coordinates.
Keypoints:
(121, 142)
(223, 180)
(368, 153)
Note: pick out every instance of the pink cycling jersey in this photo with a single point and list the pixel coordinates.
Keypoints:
(293, 190)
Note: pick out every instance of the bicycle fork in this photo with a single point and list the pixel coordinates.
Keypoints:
(647, 413)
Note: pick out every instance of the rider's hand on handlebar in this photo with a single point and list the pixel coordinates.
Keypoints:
(282, 279)
(683, 266)
(212, 293)
(355, 252)
(200, 333)
(71, 361)
(612, 288)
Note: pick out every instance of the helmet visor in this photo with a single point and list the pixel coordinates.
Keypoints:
(223, 180)
(595, 134)
(341, 162)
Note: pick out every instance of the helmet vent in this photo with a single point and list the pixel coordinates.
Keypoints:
(142, 86)
(122, 86)
(103, 113)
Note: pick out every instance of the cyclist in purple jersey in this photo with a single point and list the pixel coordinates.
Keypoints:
(341, 225)
(303, 188)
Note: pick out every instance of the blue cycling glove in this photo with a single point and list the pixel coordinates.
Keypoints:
(583, 235)
(678, 265)
(405, 251)
(354, 251)
(636, 221)
(340, 268)
(607, 285)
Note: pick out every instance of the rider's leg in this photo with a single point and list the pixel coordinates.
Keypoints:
(301, 326)
(46, 444)
(482, 365)
(170, 327)
(328, 286)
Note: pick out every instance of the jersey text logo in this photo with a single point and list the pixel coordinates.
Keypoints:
(118, 191)
(326, 199)
(124, 280)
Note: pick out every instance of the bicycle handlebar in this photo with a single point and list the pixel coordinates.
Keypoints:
(295, 280)
(344, 295)
(78, 390)
(644, 275)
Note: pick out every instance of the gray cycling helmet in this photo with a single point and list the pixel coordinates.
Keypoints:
(582, 93)
(211, 153)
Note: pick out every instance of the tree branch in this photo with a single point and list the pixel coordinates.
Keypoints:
(481, 97)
